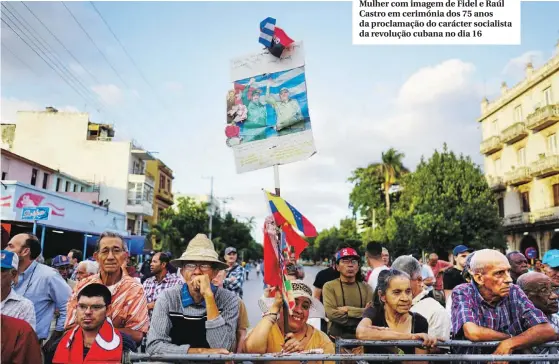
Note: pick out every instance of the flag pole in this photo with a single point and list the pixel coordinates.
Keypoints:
(285, 305)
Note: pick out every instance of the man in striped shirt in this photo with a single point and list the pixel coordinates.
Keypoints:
(128, 310)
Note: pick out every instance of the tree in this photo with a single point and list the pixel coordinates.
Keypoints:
(391, 168)
(367, 193)
(445, 202)
(165, 234)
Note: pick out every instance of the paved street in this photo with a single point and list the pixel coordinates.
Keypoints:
(253, 291)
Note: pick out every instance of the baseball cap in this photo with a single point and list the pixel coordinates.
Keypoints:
(60, 260)
(346, 252)
(460, 249)
(10, 260)
(551, 258)
(230, 250)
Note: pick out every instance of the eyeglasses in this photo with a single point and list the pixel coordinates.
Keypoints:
(349, 261)
(203, 267)
(95, 308)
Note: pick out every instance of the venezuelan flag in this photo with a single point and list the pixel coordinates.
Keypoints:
(283, 213)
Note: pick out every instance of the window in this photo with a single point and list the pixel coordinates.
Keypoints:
(525, 197)
(495, 128)
(34, 173)
(75, 187)
(552, 144)
(58, 180)
(82, 189)
(4, 175)
(518, 114)
(555, 194)
(547, 96)
(501, 206)
(169, 184)
(521, 156)
(162, 182)
(498, 167)
(45, 180)
(67, 188)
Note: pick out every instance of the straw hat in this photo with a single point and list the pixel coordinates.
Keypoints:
(300, 289)
(200, 249)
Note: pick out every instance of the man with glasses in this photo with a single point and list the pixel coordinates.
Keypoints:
(235, 276)
(345, 299)
(128, 312)
(94, 339)
(196, 317)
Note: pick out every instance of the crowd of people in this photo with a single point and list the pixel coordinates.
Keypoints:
(94, 311)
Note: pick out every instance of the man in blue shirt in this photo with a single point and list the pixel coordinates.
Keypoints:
(42, 285)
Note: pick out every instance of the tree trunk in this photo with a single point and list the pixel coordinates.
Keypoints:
(387, 199)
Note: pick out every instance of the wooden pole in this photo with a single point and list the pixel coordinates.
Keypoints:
(285, 305)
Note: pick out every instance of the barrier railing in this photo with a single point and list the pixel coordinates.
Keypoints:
(173, 358)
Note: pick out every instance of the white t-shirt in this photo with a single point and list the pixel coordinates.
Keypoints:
(427, 272)
(373, 278)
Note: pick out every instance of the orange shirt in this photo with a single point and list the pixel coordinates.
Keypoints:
(128, 303)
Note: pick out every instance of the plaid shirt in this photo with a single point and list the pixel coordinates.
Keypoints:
(512, 315)
(237, 286)
(153, 288)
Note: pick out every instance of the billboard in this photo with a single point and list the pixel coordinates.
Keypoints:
(268, 121)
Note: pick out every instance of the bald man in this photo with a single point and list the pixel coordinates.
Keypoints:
(492, 308)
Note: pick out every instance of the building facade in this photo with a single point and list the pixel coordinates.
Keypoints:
(520, 132)
(163, 196)
(68, 141)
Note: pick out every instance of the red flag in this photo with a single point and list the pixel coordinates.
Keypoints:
(281, 37)
(272, 271)
(295, 240)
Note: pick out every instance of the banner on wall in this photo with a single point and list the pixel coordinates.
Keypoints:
(268, 121)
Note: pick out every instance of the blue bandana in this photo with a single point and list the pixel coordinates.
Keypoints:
(187, 299)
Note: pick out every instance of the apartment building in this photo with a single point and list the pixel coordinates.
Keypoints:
(70, 142)
(520, 132)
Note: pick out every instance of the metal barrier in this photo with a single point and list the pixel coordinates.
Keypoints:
(174, 358)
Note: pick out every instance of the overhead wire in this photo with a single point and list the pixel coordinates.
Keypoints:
(62, 44)
(128, 55)
(19, 58)
(43, 47)
(48, 62)
(96, 46)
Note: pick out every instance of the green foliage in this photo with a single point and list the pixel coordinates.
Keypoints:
(325, 245)
(446, 201)
(177, 226)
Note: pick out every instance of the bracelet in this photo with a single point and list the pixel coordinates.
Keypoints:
(275, 314)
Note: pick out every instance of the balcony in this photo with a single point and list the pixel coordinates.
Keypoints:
(518, 176)
(491, 145)
(546, 166)
(517, 219)
(545, 215)
(138, 177)
(543, 117)
(496, 183)
(514, 133)
(139, 207)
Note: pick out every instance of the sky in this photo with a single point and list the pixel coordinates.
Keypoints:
(169, 95)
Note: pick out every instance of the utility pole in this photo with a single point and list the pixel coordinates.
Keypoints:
(211, 205)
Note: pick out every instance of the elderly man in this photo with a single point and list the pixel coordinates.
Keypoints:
(551, 265)
(518, 265)
(541, 291)
(42, 285)
(491, 308)
(85, 269)
(422, 303)
(195, 317)
(128, 310)
(235, 276)
(14, 305)
(94, 338)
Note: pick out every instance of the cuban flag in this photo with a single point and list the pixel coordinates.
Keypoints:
(267, 29)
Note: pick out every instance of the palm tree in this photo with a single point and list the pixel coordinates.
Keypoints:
(167, 235)
(391, 169)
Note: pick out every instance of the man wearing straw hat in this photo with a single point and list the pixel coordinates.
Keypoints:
(196, 317)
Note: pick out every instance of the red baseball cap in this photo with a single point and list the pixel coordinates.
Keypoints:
(346, 252)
